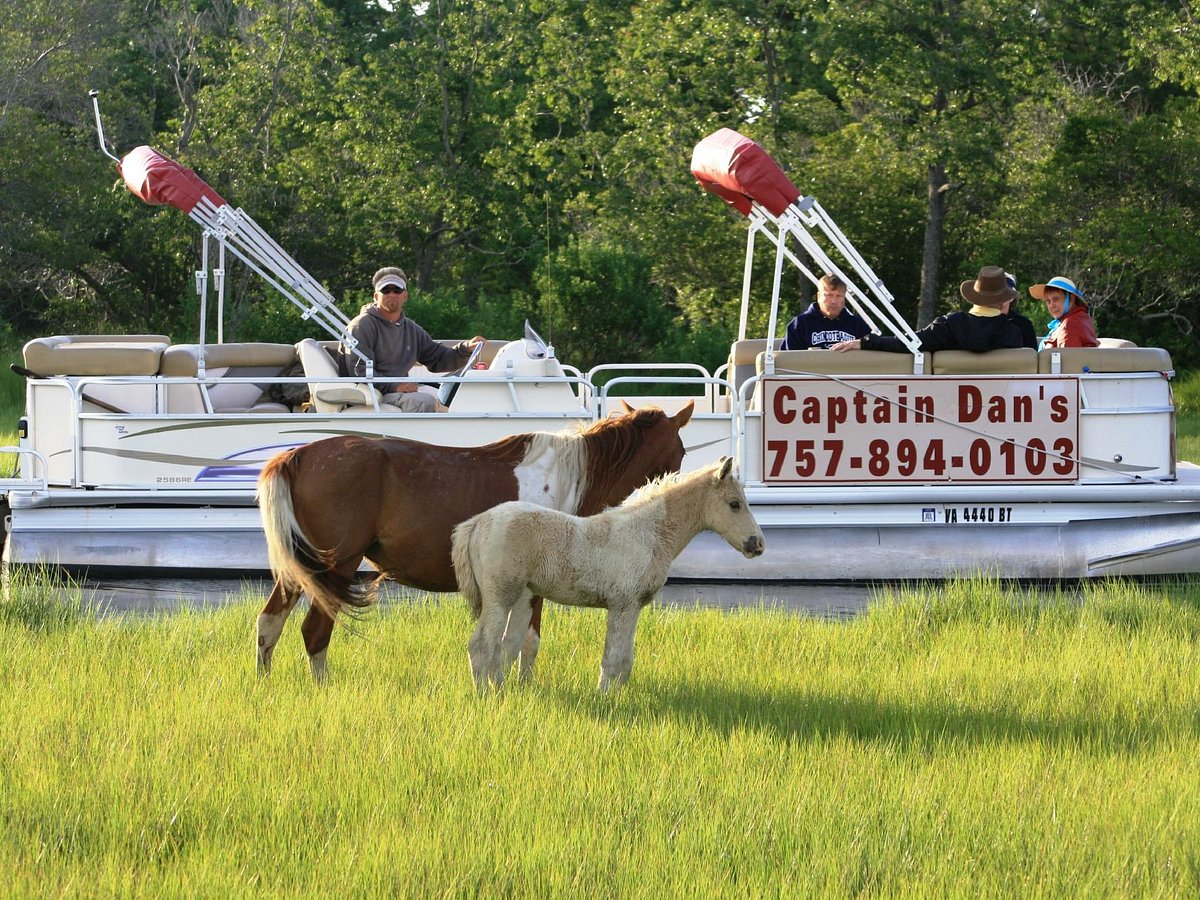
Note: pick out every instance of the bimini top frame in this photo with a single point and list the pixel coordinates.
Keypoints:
(157, 179)
(741, 173)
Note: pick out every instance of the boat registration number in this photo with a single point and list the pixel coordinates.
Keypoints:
(978, 515)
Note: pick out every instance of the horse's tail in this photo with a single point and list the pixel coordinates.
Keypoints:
(464, 571)
(294, 561)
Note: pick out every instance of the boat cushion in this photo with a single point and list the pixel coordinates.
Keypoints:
(834, 362)
(96, 354)
(1074, 360)
(1007, 361)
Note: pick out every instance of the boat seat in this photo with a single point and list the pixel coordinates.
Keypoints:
(96, 354)
(1115, 342)
(336, 396)
(743, 356)
(224, 360)
(1076, 360)
(86, 356)
(833, 362)
(1007, 361)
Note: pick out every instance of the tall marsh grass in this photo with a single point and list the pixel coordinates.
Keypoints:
(970, 740)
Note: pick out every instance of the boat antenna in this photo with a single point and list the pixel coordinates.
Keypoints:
(549, 308)
(95, 95)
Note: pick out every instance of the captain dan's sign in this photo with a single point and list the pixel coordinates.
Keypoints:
(934, 429)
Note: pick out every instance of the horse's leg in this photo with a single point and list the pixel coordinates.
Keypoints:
(617, 662)
(317, 629)
(484, 646)
(533, 640)
(516, 633)
(271, 620)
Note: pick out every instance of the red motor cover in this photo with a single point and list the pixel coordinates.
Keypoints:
(740, 171)
(158, 179)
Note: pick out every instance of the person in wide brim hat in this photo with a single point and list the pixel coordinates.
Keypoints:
(1070, 324)
(981, 328)
(990, 288)
(1062, 283)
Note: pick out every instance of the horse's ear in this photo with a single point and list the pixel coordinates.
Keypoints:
(625, 404)
(726, 468)
(682, 417)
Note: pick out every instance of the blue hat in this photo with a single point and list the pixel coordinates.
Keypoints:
(1058, 281)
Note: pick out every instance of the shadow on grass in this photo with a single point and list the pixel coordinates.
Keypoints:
(808, 715)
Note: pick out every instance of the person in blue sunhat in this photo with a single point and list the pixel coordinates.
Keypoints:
(1070, 325)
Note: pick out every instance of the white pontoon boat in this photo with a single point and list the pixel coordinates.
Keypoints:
(137, 454)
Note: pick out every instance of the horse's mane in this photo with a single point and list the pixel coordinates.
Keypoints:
(664, 484)
(613, 443)
(586, 460)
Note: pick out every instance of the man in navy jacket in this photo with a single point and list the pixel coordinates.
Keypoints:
(826, 322)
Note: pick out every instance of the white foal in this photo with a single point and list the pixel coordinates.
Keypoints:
(617, 559)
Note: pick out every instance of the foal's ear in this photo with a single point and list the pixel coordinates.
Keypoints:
(726, 468)
(625, 404)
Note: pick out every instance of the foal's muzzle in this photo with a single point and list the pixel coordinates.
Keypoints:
(753, 545)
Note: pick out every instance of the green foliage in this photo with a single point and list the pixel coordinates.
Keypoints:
(478, 145)
(41, 601)
(603, 302)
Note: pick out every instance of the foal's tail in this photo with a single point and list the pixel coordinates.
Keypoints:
(295, 562)
(464, 572)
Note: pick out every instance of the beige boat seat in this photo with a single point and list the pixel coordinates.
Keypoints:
(87, 356)
(742, 359)
(1007, 361)
(1077, 360)
(1115, 343)
(96, 354)
(832, 362)
(246, 360)
(336, 396)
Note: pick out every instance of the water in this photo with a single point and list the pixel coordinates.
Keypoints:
(158, 596)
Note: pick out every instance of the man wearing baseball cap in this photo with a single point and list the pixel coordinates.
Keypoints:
(395, 343)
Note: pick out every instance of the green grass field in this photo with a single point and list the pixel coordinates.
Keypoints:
(969, 741)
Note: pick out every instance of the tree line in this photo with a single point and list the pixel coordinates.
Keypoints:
(531, 159)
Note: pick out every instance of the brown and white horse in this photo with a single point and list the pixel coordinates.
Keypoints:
(328, 505)
(617, 560)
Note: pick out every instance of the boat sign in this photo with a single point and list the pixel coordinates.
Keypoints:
(933, 429)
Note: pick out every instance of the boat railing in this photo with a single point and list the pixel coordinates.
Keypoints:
(78, 386)
(709, 385)
(26, 481)
(705, 401)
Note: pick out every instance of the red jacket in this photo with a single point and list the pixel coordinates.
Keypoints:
(1075, 329)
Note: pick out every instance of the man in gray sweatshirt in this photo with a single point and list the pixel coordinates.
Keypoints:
(395, 343)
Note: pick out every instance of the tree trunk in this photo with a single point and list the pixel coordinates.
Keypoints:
(931, 256)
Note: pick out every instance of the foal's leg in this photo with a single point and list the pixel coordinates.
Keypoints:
(271, 620)
(317, 628)
(617, 662)
(533, 640)
(484, 646)
(516, 633)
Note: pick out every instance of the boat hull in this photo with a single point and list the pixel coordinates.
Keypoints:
(943, 534)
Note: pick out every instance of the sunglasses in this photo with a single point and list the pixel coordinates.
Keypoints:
(392, 289)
